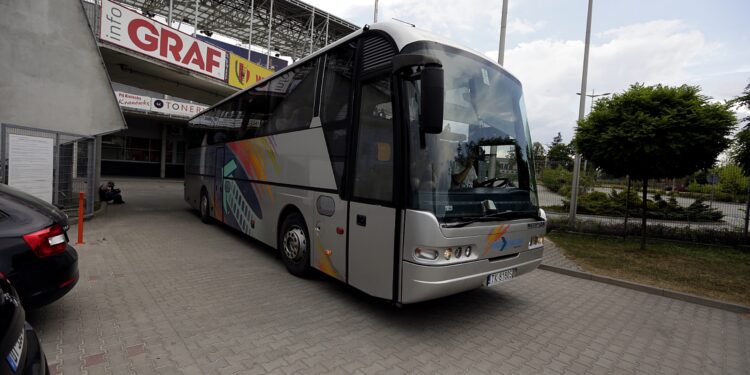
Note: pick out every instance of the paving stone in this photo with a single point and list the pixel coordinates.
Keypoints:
(161, 292)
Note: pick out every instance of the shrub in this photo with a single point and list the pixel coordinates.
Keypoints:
(682, 233)
(615, 203)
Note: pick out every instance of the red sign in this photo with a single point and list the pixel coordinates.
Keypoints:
(126, 28)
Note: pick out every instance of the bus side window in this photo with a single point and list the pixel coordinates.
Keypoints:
(291, 97)
(335, 111)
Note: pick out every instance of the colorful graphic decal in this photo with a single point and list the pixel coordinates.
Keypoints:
(248, 160)
(218, 213)
(324, 262)
(495, 240)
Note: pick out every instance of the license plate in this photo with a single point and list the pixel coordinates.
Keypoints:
(499, 277)
(15, 354)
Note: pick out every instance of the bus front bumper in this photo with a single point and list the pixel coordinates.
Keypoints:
(422, 282)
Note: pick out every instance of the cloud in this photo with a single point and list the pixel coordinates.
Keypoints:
(471, 22)
(519, 26)
(663, 51)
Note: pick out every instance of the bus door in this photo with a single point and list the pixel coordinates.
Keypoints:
(372, 217)
(219, 185)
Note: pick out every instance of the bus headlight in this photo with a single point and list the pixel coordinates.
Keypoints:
(536, 241)
(444, 255)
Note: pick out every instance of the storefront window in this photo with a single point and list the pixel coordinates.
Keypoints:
(120, 147)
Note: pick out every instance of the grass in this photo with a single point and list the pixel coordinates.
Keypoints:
(711, 271)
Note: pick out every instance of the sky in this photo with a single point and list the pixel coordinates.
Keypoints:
(703, 43)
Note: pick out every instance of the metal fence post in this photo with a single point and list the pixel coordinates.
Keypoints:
(3, 146)
(90, 172)
(747, 206)
(56, 171)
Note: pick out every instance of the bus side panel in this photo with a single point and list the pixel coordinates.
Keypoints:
(199, 168)
(264, 175)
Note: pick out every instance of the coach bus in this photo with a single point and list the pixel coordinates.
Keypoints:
(393, 160)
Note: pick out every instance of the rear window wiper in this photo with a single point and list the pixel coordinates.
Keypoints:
(494, 215)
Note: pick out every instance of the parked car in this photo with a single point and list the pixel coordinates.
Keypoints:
(34, 251)
(20, 350)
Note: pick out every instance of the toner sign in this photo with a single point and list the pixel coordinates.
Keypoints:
(128, 29)
(163, 106)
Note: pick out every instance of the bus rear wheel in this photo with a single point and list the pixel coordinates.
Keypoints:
(294, 245)
(204, 208)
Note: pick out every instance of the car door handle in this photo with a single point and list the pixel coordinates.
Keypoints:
(362, 220)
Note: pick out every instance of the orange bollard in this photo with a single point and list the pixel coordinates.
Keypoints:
(81, 202)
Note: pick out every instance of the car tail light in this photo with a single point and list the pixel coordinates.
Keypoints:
(48, 241)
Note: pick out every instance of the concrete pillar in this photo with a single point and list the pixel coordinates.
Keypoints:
(163, 162)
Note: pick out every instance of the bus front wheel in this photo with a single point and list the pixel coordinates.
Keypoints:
(294, 245)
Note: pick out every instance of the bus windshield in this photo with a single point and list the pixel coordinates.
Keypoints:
(480, 164)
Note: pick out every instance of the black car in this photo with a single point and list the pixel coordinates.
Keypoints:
(34, 251)
(20, 351)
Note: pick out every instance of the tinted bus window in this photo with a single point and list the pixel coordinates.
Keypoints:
(335, 112)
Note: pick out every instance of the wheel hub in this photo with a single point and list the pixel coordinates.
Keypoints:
(295, 243)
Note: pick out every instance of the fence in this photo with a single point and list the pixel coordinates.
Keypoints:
(707, 206)
(73, 168)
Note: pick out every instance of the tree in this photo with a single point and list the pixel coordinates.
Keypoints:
(654, 132)
(561, 155)
(740, 152)
(537, 149)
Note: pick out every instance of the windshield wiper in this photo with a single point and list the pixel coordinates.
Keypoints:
(494, 215)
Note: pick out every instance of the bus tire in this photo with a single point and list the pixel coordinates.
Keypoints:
(205, 208)
(294, 245)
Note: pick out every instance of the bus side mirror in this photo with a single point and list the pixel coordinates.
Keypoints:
(431, 101)
(432, 89)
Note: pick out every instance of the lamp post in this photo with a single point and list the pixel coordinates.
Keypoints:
(594, 95)
(503, 23)
(581, 108)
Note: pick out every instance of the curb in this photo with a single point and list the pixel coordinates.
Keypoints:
(736, 308)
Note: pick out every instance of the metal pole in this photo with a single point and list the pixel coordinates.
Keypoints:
(503, 23)
(312, 29)
(268, 45)
(195, 19)
(56, 168)
(747, 206)
(169, 15)
(627, 208)
(163, 156)
(250, 38)
(93, 158)
(375, 14)
(581, 109)
(328, 19)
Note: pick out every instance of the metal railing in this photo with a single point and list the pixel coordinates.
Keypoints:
(703, 207)
(73, 168)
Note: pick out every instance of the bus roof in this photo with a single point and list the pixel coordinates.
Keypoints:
(402, 35)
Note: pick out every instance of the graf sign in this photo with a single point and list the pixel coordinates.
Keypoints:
(128, 29)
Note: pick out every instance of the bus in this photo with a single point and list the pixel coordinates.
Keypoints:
(393, 160)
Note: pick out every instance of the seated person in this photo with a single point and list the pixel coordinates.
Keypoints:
(467, 175)
(110, 194)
